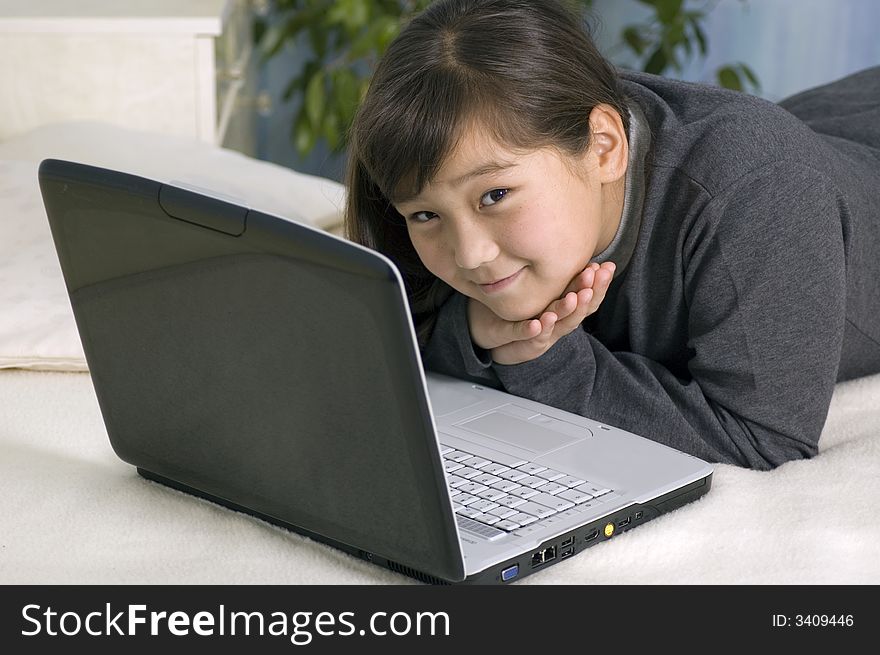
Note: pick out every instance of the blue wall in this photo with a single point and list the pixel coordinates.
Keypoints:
(791, 45)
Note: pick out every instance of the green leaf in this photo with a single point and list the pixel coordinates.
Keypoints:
(388, 29)
(318, 37)
(288, 5)
(365, 44)
(729, 78)
(672, 60)
(330, 130)
(657, 62)
(296, 84)
(274, 38)
(750, 76)
(339, 12)
(314, 98)
(363, 87)
(258, 30)
(390, 7)
(299, 83)
(700, 36)
(632, 36)
(688, 48)
(345, 94)
(304, 137)
(359, 14)
(674, 34)
(280, 32)
(668, 10)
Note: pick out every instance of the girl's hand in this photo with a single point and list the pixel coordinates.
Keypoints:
(514, 342)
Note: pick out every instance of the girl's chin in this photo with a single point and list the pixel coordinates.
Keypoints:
(518, 313)
(511, 308)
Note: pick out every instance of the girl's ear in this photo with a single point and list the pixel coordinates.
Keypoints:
(608, 146)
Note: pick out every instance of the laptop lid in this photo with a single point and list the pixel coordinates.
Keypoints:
(256, 361)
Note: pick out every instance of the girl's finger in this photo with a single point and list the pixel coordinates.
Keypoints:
(581, 311)
(575, 317)
(548, 322)
(583, 280)
(524, 330)
(600, 287)
(564, 306)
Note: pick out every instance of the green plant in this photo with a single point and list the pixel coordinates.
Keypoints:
(666, 41)
(345, 38)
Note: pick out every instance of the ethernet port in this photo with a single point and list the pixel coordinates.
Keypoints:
(543, 556)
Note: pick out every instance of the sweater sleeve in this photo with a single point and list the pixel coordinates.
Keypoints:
(765, 291)
(450, 349)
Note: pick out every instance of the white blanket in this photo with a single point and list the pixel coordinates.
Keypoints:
(74, 513)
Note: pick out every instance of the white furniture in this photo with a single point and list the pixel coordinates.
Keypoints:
(179, 67)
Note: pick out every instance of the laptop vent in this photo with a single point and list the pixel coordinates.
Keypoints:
(418, 575)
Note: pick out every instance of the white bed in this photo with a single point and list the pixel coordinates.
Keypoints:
(74, 513)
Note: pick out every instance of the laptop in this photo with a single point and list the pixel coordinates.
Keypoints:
(272, 368)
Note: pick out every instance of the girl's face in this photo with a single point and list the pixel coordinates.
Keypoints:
(511, 228)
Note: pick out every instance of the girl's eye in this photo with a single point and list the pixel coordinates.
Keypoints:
(422, 217)
(495, 195)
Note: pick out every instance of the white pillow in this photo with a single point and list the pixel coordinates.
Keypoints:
(36, 322)
(37, 330)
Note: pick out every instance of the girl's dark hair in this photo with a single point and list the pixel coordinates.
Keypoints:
(526, 71)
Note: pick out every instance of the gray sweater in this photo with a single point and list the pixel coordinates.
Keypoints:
(748, 275)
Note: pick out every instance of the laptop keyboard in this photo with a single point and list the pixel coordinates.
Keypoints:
(491, 499)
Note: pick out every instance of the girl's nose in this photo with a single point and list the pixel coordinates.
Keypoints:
(474, 246)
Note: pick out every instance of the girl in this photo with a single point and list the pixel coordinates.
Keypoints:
(692, 264)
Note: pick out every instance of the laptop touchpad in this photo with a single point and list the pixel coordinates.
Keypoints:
(540, 434)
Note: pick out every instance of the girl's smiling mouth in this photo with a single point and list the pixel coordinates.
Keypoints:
(500, 285)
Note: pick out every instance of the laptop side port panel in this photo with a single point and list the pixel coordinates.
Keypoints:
(570, 543)
(567, 544)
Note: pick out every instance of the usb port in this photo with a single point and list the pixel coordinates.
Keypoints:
(568, 552)
(592, 535)
(624, 522)
(567, 542)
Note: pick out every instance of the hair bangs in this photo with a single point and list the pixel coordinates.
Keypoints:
(404, 148)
